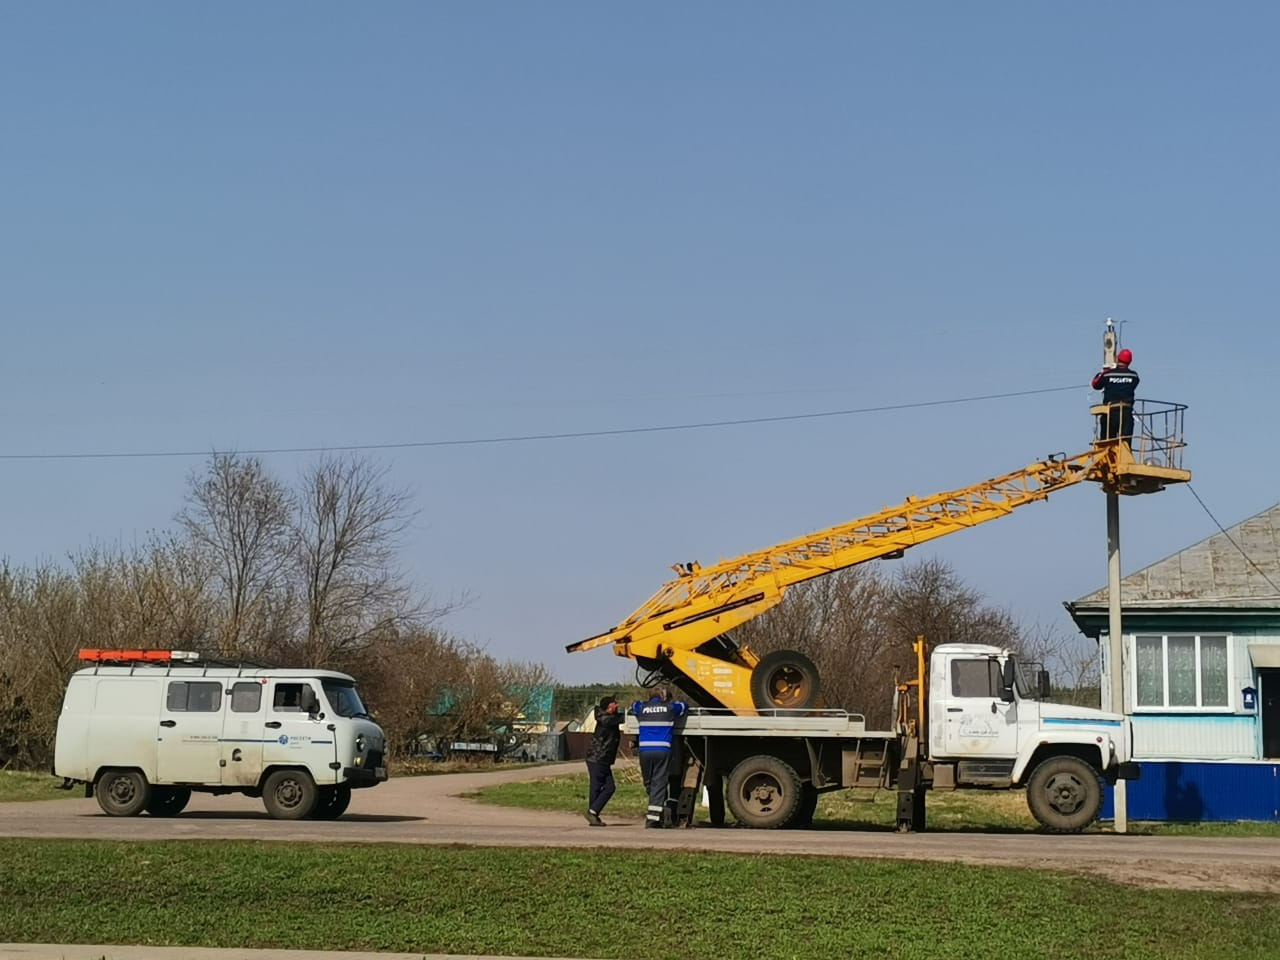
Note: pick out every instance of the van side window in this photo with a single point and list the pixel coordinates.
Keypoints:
(246, 697)
(288, 697)
(975, 678)
(194, 696)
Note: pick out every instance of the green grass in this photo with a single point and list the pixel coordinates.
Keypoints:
(594, 903)
(16, 785)
(997, 811)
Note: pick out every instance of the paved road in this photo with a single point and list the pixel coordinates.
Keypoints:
(428, 810)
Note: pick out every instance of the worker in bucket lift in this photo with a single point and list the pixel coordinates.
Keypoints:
(657, 719)
(1118, 385)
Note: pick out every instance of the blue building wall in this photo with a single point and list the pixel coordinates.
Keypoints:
(1190, 791)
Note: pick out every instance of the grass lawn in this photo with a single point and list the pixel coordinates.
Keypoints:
(967, 810)
(593, 903)
(16, 785)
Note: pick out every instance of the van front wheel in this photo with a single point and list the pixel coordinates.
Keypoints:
(289, 794)
(333, 802)
(122, 793)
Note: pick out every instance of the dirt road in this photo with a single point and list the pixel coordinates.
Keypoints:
(429, 810)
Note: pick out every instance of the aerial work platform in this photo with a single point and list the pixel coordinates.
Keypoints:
(1149, 460)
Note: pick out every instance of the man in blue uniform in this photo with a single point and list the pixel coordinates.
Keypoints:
(657, 718)
(1117, 384)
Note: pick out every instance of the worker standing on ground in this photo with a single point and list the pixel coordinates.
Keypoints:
(1118, 385)
(657, 718)
(601, 755)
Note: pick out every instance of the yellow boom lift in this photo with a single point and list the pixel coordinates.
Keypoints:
(681, 634)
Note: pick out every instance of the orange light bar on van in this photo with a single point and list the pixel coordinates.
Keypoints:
(137, 656)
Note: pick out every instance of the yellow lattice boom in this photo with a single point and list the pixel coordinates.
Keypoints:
(680, 629)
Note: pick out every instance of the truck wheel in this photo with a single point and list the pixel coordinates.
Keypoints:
(764, 793)
(1064, 794)
(784, 679)
(289, 794)
(122, 793)
(168, 801)
(806, 808)
(332, 802)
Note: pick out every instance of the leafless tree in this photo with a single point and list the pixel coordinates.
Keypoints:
(346, 534)
(239, 517)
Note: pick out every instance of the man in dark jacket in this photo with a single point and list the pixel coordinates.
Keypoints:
(1118, 385)
(657, 718)
(600, 757)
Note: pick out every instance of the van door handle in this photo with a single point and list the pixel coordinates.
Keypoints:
(955, 709)
(168, 723)
(273, 724)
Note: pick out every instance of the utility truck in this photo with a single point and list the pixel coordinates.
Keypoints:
(143, 729)
(760, 723)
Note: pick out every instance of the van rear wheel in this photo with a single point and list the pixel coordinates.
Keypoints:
(289, 794)
(122, 793)
(168, 801)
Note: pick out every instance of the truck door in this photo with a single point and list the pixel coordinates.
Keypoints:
(188, 743)
(979, 722)
(242, 734)
(292, 737)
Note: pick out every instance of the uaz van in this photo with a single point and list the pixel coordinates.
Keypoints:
(142, 729)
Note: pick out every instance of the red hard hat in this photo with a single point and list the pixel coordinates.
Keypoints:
(1124, 356)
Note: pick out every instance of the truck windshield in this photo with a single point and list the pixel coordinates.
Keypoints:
(343, 698)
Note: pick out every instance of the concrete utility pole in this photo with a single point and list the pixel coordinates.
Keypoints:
(1115, 636)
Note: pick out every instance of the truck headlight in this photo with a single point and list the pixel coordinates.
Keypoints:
(360, 743)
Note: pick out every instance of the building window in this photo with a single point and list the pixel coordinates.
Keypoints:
(1181, 672)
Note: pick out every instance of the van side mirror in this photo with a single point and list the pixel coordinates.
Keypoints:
(308, 702)
(1042, 684)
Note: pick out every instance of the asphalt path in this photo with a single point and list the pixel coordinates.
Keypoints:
(430, 810)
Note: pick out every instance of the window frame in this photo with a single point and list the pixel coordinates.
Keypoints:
(994, 678)
(186, 686)
(1166, 708)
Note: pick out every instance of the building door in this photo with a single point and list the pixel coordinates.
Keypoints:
(1269, 701)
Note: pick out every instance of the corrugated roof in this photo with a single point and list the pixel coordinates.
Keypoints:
(1213, 573)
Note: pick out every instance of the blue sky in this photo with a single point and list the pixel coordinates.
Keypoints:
(292, 225)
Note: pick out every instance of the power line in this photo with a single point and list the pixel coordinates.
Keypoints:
(1231, 540)
(529, 438)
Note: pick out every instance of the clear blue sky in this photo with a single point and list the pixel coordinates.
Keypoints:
(241, 226)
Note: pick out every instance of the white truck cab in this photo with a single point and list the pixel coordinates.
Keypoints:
(142, 730)
(989, 725)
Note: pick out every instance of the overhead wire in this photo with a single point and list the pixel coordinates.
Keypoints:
(1248, 559)
(537, 437)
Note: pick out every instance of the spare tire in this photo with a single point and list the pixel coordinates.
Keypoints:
(784, 680)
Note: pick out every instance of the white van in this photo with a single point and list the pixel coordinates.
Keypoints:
(142, 729)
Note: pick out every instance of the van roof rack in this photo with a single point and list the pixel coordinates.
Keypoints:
(137, 656)
(166, 657)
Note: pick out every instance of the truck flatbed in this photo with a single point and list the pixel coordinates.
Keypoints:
(834, 724)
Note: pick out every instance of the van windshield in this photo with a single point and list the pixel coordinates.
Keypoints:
(343, 698)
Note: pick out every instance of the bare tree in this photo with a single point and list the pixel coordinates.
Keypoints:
(346, 531)
(238, 516)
